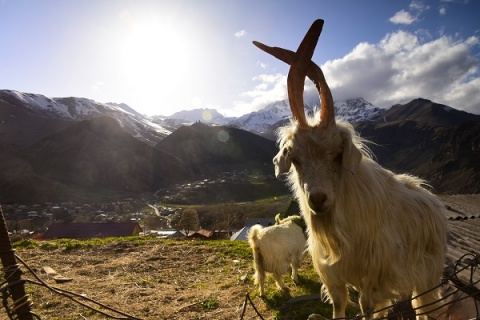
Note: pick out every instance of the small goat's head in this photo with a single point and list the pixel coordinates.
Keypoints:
(319, 150)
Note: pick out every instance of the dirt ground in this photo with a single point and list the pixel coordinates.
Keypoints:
(180, 279)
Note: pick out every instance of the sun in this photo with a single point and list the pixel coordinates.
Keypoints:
(155, 56)
(163, 60)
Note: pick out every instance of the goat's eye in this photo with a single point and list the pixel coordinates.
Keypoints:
(338, 158)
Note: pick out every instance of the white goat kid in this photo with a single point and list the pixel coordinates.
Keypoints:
(381, 233)
(276, 249)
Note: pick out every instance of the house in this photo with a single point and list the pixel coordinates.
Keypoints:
(242, 233)
(92, 230)
(201, 234)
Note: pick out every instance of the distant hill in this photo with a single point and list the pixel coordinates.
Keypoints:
(233, 164)
(209, 150)
(433, 141)
(87, 159)
(19, 127)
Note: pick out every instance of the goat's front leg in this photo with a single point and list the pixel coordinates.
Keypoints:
(366, 305)
(339, 296)
(369, 306)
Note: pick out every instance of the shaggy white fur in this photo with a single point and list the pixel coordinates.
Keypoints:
(276, 249)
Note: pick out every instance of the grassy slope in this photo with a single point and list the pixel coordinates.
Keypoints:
(161, 279)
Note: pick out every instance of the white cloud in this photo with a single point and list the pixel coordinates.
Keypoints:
(262, 65)
(442, 10)
(399, 68)
(418, 6)
(240, 33)
(270, 88)
(402, 17)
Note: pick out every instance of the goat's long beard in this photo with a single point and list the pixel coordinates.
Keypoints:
(322, 230)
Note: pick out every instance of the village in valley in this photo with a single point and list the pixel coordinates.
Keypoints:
(151, 215)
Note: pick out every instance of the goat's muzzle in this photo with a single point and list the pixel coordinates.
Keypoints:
(317, 202)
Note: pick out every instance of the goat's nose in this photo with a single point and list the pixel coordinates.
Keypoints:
(316, 201)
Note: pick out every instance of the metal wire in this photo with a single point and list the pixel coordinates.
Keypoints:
(470, 260)
(13, 310)
(73, 296)
(245, 303)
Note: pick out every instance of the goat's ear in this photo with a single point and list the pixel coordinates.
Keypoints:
(282, 162)
(351, 155)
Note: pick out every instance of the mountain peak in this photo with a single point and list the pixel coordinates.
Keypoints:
(428, 112)
(205, 115)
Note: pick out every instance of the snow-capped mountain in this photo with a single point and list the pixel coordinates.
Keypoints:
(71, 108)
(354, 110)
(204, 115)
(153, 129)
(126, 108)
(266, 120)
(351, 110)
(262, 120)
(188, 117)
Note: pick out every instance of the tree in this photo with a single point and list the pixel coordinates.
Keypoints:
(227, 215)
(156, 222)
(189, 221)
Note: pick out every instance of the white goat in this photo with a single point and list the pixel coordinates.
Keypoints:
(381, 233)
(276, 249)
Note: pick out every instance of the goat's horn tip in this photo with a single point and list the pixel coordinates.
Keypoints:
(318, 22)
(259, 45)
(317, 27)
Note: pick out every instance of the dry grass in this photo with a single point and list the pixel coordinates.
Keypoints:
(160, 279)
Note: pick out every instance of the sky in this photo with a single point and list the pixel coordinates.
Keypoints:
(160, 57)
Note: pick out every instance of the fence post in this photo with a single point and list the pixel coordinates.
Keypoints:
(13, 274)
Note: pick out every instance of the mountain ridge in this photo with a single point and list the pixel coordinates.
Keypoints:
(433, 141)
(153, 129)
(75, 109)
(43, 156)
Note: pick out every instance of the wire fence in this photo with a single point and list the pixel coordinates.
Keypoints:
(460, 278)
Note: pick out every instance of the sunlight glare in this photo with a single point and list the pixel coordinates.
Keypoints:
(223, 136)
(155, 56)
(207, 116)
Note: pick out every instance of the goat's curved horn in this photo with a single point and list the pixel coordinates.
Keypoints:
(327, 114)
(298, 69)
(313, 71)
(287, 57)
